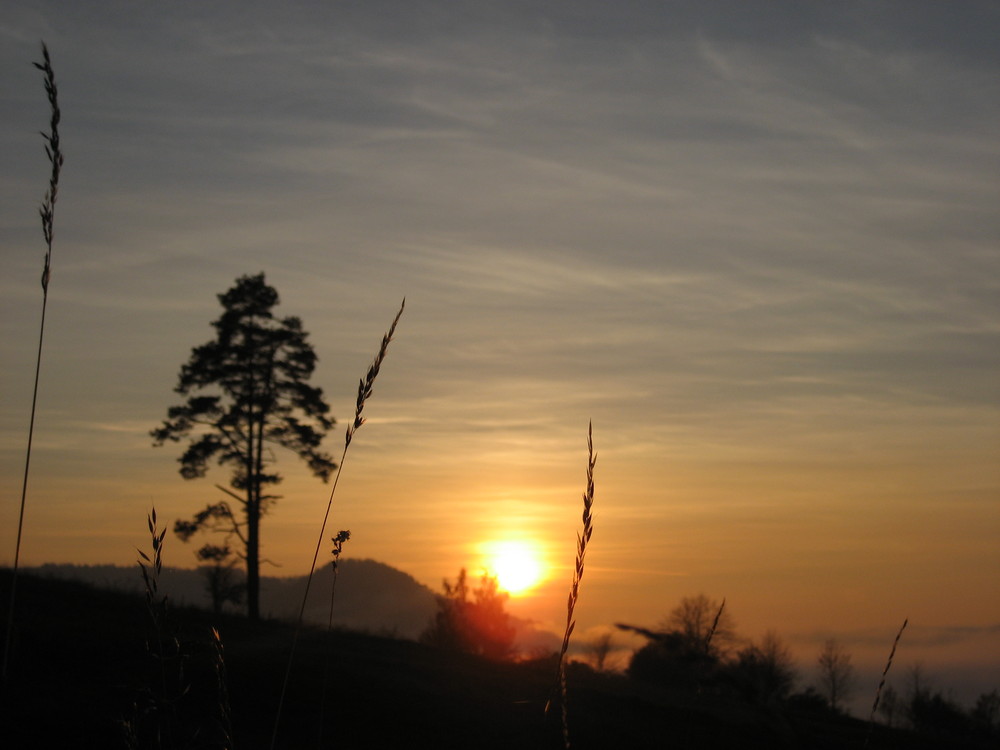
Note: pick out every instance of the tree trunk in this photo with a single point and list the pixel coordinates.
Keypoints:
(253, 489)
(253, 528)
(253, 557)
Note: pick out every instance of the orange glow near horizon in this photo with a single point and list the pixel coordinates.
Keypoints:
(517, 564)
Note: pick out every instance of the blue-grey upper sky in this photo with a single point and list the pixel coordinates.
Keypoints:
(757, 243)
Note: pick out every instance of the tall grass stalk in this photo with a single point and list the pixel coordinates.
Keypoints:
(574, 593)
(365, 390)
(47, 212)
(222, 686)
(881, 684)
(715, 626)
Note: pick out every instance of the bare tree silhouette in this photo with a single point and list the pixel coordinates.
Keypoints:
(837, 677)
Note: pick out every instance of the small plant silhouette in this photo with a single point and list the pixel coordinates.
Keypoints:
(339, 541)
(154, 717)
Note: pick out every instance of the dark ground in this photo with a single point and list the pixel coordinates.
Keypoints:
(81, 667)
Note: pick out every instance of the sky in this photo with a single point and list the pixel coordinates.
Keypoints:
(756, 244)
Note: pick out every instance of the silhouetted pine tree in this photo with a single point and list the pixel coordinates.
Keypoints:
(247, 389)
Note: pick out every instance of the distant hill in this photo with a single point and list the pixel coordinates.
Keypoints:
(371, 596)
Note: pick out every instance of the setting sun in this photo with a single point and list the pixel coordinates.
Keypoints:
(516, 564)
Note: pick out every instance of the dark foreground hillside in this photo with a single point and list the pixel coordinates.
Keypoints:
(81, 670)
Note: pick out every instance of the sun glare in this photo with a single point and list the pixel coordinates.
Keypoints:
(516, 564)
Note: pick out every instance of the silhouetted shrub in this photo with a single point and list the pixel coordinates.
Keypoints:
(763, 674)
(986, 714)
(809, 701)
(673, 660)
(933, 714)
(479, 625)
